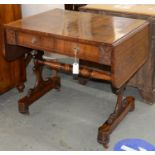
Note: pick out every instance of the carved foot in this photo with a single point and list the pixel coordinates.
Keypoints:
(114, 119)
(34, 94)
(20, 87)
(103, 139)
(23, 108)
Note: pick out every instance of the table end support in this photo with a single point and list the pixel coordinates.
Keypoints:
(41, 86)
(123, 106)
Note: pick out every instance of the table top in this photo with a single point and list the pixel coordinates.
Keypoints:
(139, 9)
(86, 27)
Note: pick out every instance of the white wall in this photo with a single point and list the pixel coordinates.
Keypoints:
(31, 9)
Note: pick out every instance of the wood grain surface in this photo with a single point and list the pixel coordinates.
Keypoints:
(13, 73)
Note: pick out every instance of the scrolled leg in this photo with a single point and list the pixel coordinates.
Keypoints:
(41, 86)
(123, 106)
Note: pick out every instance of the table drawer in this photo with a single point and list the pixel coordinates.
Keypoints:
(33, 41)
(99, 54)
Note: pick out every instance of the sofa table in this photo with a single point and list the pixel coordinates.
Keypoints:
(144, 79)
(117, 42)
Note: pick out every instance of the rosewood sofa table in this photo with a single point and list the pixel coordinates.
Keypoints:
(117, 42)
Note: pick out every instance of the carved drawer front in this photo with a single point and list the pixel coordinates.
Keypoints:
(90, 52)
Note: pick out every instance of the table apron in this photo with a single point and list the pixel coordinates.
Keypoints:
(95, 53)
